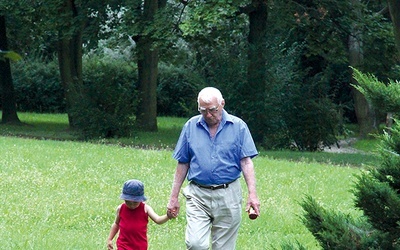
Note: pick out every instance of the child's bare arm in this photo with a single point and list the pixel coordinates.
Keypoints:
(155, 217)
(113, 231)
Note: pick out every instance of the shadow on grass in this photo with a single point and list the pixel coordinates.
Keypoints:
(343, 159)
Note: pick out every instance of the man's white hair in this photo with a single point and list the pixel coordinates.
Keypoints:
(208, 93)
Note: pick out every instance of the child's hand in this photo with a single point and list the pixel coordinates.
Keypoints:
(110, 245)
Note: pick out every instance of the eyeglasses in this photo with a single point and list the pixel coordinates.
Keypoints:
(211, 110)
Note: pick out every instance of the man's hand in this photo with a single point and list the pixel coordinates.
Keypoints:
(173, 208)
(253, 202)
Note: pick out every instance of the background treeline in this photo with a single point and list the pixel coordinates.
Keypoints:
(282, 66)
(38, 88)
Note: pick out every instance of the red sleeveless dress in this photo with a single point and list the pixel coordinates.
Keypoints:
(132, 228)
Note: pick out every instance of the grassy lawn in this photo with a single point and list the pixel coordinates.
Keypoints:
(62, 194)
(55, 126)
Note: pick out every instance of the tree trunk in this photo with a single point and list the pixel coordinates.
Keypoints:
(394, 10)
(146, 115)
(9, 107)
(70, 61)
(256, 71)
(365, 114)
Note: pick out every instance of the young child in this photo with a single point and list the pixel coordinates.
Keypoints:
(132, 219)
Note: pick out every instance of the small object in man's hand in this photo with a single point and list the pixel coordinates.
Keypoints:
(252, 214)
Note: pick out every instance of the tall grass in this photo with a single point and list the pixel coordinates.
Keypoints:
(63, 194)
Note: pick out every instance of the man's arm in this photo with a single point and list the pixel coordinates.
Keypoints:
(249, 176)
(180, 175)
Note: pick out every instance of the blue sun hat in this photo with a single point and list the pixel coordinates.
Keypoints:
(133, 190)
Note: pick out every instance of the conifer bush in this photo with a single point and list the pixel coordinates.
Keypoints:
(376, 190)
(376, 195)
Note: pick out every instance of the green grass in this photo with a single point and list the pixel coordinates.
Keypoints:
(55, 126)
(343, 159)
(42, 126)
(367, 145)
(168, 132)
(63, 194)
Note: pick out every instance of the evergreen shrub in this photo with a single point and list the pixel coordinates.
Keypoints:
(376, 194)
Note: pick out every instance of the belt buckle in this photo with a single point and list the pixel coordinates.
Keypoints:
(226, 185)
(219, 186)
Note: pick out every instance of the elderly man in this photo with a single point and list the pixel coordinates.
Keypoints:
(214, 148)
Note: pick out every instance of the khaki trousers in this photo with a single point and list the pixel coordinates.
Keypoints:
(215, 213)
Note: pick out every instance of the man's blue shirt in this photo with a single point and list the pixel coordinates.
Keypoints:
(214, 161)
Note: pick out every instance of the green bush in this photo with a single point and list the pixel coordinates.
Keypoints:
(304, 116)
(311, 120)
(105, 105)
(177, 91)
(37, 86)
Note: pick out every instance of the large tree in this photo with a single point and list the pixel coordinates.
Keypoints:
(57, 24)
(9, 114)
(147, 61)
(9, 9)
(69, 52)
(73, 23)
(366, 117)
(148, 24)
(219, 33)
(256, 87)
(394, 10)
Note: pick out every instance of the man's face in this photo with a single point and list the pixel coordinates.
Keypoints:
(211, 112)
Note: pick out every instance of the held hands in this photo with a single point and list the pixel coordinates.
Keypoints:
(173, 209)
(170, 214)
